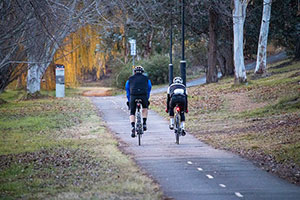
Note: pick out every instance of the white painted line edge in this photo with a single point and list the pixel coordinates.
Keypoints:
(222, 185)
(238, 194)
(200, 169)
(209, 176)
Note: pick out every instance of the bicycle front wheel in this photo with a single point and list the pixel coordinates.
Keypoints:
(139, 138)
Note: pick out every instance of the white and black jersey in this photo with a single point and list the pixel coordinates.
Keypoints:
(176, 91)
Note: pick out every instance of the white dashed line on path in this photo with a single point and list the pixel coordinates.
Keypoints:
(222, 185)
(200, 169)
(238, 194)
(189, 162)
(209, 176)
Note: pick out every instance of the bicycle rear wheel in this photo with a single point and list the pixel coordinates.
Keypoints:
(177, 128)
(139, 128)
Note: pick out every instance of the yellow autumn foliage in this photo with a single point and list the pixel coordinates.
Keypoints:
(79, 56)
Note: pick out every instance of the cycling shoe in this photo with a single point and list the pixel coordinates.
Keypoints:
(183, 132)
(133, 132)
(144, 127)
(171, 126)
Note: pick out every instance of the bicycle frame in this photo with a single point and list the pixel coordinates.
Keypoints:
(177, 129)
(138, 120)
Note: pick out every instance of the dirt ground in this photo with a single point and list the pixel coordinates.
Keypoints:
(96, 91)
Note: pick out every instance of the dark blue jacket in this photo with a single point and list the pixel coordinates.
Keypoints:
(134, 82)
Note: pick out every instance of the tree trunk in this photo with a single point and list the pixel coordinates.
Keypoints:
(148, 45)
(297, 53)
(239, 15)
(212, 71)
(221, 63)
(228, 54)
(34, 78)
(261, 62)
(19, 83)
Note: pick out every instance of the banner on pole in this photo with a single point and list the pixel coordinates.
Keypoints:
(132, 47)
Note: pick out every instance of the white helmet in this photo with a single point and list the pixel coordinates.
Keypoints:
(177, 80)
(139, 69)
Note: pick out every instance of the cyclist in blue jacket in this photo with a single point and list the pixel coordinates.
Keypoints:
(138, 86)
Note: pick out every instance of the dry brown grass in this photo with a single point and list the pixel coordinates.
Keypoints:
(260, 120)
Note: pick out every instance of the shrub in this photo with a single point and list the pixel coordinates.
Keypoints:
(156, 67)
(123, 75)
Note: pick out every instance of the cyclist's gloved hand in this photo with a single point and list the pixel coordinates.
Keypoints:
(167, 110)
(187, 111)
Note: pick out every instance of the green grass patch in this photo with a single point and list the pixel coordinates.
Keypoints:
(285, 105)
(15, 95)
(285, 67)
(59, 148)
(12, 95)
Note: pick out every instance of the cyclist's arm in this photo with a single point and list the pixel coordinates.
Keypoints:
(186, 100)
(127, 88)
(186, 104)
(168, 98)
(168, 101)
(149, 88)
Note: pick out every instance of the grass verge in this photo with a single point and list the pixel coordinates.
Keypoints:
(61, 149)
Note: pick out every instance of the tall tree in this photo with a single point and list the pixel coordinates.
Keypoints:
(12, 24)
(45, 37)
(261, 61)
(239, 15)
(212, 71)
(285, 29)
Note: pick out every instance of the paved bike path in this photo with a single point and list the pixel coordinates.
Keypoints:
(192, 169)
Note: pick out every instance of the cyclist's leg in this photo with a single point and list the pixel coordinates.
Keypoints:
(145, 111)
(182, 117)
(171, 112)
(132, 115)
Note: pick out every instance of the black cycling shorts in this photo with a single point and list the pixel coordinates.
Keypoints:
(179, 100)
(132, 102)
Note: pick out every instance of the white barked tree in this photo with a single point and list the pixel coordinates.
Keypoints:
(261, 62)
(52, 23)
(239, 15)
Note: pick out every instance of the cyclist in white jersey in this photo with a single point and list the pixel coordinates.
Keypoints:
(177, 95)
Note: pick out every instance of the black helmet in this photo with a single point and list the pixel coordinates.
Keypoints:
(139, 69)
(177, 80)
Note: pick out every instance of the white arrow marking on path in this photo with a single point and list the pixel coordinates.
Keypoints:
(200, 169)
(189, 162)
(222, 185)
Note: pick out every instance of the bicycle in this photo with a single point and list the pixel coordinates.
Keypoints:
(177, 128)
(138, 121)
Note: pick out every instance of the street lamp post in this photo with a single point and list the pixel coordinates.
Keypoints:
(171, 64)
(182, 62)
